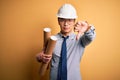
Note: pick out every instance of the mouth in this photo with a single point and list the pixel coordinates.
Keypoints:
(66, 28)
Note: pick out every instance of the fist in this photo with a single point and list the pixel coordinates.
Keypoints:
(42, 57)
(81, 27)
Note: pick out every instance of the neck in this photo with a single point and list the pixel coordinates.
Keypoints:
(65, 34)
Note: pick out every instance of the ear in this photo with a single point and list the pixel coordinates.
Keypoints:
(58, 21)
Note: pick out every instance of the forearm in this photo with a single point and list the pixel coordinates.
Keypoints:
(88, 36)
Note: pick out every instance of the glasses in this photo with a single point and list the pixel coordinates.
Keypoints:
(66, 20)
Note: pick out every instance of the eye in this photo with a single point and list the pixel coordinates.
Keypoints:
(61, 19)
(70, 20)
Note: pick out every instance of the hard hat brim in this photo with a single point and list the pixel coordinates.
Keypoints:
(67, 17)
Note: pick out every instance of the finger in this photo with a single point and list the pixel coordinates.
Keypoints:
(43, 60)
(79, 22)
(85, 23)
(39, 55)
(75, 29)
(47, 56)
(46, 60)
(38, 58)
(76, 25)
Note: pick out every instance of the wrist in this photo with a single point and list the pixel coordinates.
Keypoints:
(88, 28)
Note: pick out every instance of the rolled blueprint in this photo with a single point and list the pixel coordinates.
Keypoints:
(47, 34)
(49, 51)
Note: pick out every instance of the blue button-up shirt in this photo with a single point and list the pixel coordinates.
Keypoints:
(75, 49)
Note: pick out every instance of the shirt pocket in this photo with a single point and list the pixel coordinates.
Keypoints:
(57, 49)
(55, 61)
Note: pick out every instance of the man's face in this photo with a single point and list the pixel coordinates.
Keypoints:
(66, 25)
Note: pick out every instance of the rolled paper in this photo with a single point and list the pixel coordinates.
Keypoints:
(47, 34)
(49, 51)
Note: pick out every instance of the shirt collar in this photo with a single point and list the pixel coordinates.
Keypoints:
(71, 35)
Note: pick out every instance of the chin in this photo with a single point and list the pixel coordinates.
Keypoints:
(66, 31)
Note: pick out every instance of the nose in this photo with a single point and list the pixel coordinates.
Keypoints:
(66, 23)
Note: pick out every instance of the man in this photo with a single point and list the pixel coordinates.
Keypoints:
(69, 47)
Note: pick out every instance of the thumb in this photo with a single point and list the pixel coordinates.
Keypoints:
(78, 36)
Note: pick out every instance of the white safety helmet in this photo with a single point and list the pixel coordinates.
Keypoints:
(67, 11)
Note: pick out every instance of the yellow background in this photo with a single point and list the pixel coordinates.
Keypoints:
(21, 37)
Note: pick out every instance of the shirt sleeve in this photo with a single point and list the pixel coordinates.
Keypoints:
(88, 36)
